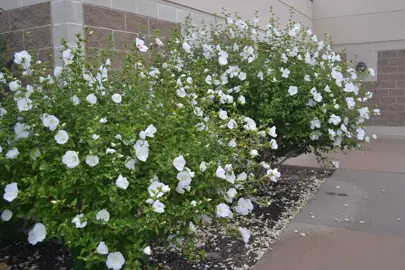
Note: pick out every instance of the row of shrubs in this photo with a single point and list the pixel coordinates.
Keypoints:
(116, 162)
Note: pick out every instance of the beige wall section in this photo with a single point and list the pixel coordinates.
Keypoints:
(246, 9)
(363, 27)
(13, 4)
(333, 8)
(373, 27)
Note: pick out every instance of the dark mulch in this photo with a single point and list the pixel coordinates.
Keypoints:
(274, 205)
(23, 255)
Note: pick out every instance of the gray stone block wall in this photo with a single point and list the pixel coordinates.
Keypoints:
(28, 28)
(389, 89)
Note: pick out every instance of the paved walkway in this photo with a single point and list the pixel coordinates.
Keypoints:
(352, 222)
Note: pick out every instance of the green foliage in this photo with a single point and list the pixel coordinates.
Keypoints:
(97, 156)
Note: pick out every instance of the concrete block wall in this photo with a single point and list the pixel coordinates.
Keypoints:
(27, 25)
(371, 38)
(389, 89)
(51, 20)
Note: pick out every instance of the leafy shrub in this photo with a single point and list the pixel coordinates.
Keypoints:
(284, 78)
(113, 162)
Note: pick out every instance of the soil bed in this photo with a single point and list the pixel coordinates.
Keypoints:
(275, 204)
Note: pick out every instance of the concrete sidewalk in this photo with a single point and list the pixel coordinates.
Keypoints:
(356, 221)
(386, 155)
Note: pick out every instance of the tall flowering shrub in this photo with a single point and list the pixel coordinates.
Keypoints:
(288, 81)
(113, 162)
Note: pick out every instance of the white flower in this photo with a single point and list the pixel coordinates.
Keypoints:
(186, 47)
(22, 130)
(158, 189)
(332, 133)
(273, 174)
(230, 194)
(12, 154)
(23, 58)
(245, 234)
(220, 173)
(130, 164)
(254, 153)
(193, 203)
(241, 100)
(103, 120)
(223, 210)
(335, 163)
(50, 121)
(192, 227)
(117, 98)
(6, 215)
(158, 42)
(95, 137)
(115, 260)
(61, 137)
(360, 134)
(272, 132)
(260, 75)
(203, 166)
(142, 150)
(244, 206)
(334, 119)
(242, 76)
(179, 163)
(292, 90)
(200, 126)
(242, 177)
(181, 92)
(223, 114)
(150, 201)
(10, 192)
(37, 234)
(285, 72)
(229, 20)
(223, 58)
(57, 71)
(158, 207)
(103, 215)
(71, 159)
(75, 100)
(78, 222)
(208, 80)
(14, 85)
(350, 103)
(147, 251)
(232, 124)
(102, 248)
(92, 160)
(315, 123)
(122, 182)
(274, 144)
(140, 44)
(24, 104)
(67, 56)
(2, 111)
(232, 143)
(371, 71)
(149, 132)
(374, 136)
(92, 99)
(230, 177)
(317, 97)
